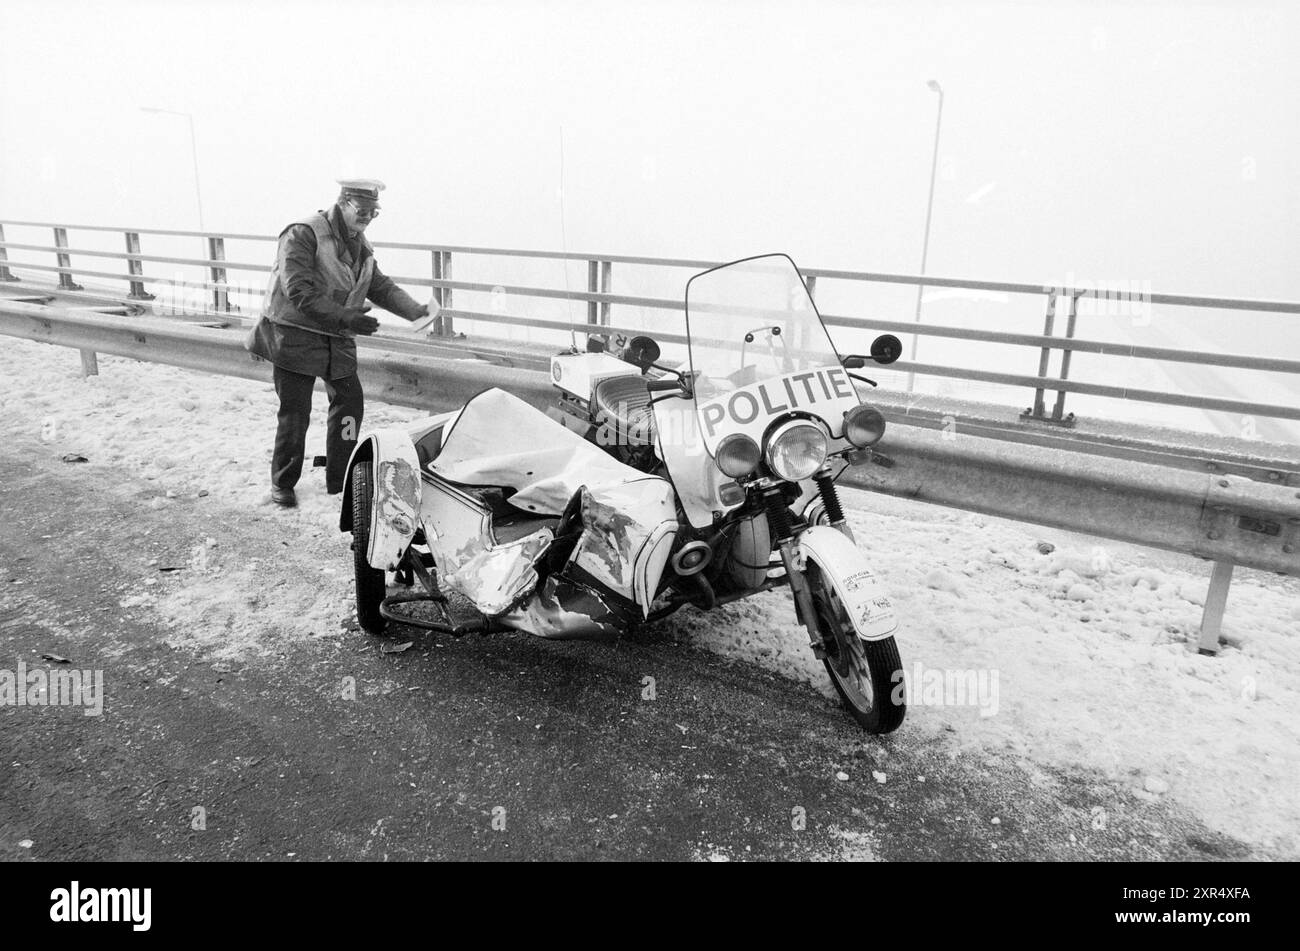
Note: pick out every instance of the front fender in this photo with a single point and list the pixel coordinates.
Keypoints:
(863, 594)
(395, 506)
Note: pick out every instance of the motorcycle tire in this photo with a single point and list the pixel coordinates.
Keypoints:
(872, 688)
(371, 583)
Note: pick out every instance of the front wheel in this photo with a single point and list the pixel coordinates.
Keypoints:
(868, 675)
(372, 584)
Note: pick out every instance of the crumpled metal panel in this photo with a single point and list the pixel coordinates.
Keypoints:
(565, 610)
(618, 523)
(500, 440)
(494, 577)
(396, 502)
(458, 530)
(620, 551)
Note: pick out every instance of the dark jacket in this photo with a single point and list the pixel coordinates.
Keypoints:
(302, 328)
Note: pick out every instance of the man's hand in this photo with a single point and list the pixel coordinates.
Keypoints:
(358, 321)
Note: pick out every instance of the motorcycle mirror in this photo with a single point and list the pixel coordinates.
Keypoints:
(886, 348)
(854, 362)
(641, 352)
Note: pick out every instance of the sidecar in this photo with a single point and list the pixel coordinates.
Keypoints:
(537, 528)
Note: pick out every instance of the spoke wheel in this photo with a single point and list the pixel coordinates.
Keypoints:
(867, 675)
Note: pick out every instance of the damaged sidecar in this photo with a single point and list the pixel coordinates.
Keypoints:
(651, 484)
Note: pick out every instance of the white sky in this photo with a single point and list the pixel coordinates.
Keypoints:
(1114, 141)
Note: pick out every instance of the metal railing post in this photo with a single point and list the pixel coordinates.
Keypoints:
(447, 328)
(435, 264)
(5, 274)
(1216, 599)
(135, 267)
(220, 295)
(1059, 408)
(606, 280)
(593, 287)
(89, 359)
(1037, 410)
(66, 283)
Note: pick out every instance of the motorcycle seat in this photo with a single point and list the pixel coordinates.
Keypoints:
(624, 403)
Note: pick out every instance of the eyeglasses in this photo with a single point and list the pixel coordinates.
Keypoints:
(362, 213)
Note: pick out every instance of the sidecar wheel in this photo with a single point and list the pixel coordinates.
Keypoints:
(873, 671)
(372, 585)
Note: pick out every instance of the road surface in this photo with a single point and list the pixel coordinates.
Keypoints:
(499, 747)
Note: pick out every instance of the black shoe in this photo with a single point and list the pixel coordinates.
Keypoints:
(285, 498)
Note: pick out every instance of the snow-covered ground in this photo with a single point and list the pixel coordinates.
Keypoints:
(1083, 656)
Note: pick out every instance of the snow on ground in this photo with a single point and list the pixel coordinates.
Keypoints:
(1080, 657)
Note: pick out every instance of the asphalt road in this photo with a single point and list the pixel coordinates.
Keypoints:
(499, 747)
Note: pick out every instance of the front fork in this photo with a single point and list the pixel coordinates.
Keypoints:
(782, 528)
(779, 523)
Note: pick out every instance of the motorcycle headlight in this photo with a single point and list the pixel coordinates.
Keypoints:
(796, 450)
(737, 455)
(863, 426)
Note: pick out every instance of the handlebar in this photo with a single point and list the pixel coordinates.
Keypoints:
(660, 386)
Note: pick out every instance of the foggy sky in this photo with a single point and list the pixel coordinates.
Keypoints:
(1113, 141)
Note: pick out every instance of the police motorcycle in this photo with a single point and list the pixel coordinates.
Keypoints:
(652, 484)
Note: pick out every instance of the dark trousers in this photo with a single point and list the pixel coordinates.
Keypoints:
(347, 404)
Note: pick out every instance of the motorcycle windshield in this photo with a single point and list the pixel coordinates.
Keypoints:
(758, 350)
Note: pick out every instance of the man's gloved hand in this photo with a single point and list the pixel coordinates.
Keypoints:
(358, 321)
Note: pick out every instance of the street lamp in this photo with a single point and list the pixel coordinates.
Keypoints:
(929, 207)
(194, 152)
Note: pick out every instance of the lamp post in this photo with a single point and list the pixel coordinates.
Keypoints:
(194, 152)
(934, 86)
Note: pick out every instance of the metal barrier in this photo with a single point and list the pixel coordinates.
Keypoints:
(601, 302)
(1230, 519)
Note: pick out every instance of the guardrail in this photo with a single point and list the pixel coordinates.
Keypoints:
(1230, 519)
(601, 302)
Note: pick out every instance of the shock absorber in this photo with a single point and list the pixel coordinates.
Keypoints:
(778, 515)
(830, 494)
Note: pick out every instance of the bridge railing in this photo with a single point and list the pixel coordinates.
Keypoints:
(1059, 303)
(1249, 518)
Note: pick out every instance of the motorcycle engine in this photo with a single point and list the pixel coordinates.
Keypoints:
(745, 563)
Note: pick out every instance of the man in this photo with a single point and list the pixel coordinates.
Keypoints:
(324, 271)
